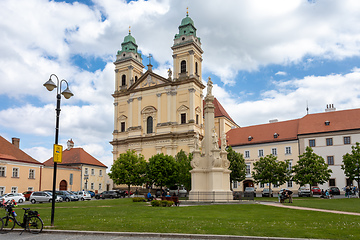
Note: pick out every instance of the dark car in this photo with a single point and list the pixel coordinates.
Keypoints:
(27, 195)
(266, 193)
(107, 194)
(334, 190)
(67, 196)
(316, 190)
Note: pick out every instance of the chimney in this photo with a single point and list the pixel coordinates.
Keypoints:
(330, 108)
(16, 142)
(273, 120)
(70, 144)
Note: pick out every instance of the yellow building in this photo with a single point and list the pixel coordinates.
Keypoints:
(154, 114)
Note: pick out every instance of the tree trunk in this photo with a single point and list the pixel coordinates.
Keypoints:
(129, 190)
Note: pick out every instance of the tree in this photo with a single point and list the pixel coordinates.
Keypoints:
(128, 169)
(162, 170)
(351, 164)
(237, 166)
(184, 167)
(269, 170)
(311, 169)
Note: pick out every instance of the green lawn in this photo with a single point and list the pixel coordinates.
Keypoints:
(231, 219)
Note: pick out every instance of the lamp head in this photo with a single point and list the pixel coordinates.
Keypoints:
(50, 85)
(67, 93)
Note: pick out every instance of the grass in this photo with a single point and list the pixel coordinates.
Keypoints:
(122, 215)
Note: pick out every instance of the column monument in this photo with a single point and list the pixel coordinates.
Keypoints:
(210, 176)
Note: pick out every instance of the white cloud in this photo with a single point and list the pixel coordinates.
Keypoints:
(281, 73)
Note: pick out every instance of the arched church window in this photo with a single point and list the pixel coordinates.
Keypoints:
(123, 80)
(136, 78)
(183, 66)
(196, 68)
(149, 125)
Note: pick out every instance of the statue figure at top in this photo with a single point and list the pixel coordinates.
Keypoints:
(209, 87)
(223, 141)
(215, 139)
(169, 73)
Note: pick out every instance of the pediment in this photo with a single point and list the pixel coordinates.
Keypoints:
(182, 108)
(149, 79)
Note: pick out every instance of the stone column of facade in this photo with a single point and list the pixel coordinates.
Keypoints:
(191, 63)
(192, 105)
(175, 67)
(139, 110)
(116, 80)
(159, 107)
(174, 110)
(131, 80)
(116, 116)
(130, 101)
(168, 106)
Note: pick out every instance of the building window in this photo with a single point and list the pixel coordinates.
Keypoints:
(289, 184)
(100, 173)
(196, 68)
(92, 186)
(276, 185)
(248, 174)
(312, 143)
(92, 171)
(32, 173)
(183, 66)
(274, 151)
(2, 191)
(14, 189)
(197, 118)
(330, 160)
(262, 185)
(2, 172)
(149, 125)
(183, 118)
(235, 184)
(347, 140)
(100, 186)
(287, 150)
(122, 126)
(15, 173)
(290, 166)
(30, 189)
(329, 142)
(261, 152)
(332, 182)
(247, 154)
(136, 78)
(86, 171)
(123, 80)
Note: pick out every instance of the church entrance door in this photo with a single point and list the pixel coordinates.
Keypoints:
(63, 185)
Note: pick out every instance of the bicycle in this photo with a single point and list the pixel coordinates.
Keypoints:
(31, 220)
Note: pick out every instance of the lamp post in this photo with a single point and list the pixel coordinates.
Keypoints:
(86, 182)
(358, 178)
(50, 85)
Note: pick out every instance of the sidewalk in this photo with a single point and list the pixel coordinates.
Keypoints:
(274, 204)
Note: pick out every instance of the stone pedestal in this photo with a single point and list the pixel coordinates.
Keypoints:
(210, 176)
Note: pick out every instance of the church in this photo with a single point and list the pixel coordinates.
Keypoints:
(155, 114)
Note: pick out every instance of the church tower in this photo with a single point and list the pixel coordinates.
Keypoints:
(187, 52)
(128, 64)
(155, 114)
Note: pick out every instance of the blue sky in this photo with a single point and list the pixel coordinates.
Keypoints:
(267, 59)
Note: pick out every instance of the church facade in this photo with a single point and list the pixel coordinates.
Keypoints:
(155, 114)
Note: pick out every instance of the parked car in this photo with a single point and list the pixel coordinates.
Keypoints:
(40, 197)
(57, 198)
(266, 193)
(92, 193)
(250, 190)
(27, 195)
(18, 197)
(304, 191)
(178, 190)
(316, 190)
(67, 196)
(107, 194)
(83, 195)
(334, 190)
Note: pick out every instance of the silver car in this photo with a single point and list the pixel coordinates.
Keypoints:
(43, 197)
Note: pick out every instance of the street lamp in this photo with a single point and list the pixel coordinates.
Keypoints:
(50, 85)
(358, 178)
(86, 182)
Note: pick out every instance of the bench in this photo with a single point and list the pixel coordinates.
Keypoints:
(175, 199)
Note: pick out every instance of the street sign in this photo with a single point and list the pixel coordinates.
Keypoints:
(57, 153)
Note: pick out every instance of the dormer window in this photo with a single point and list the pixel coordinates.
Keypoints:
(276, 135)
(250, 138)
(327, 123)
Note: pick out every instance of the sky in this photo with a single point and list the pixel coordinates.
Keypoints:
(267, 59)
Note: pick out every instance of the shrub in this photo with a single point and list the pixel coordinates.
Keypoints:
(156, 203)
(138, 199)
(161, 203)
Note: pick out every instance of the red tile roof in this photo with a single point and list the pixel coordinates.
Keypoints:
(9, 151)
(286, 130)
(76, 156)
(290, 130)
(220, 110)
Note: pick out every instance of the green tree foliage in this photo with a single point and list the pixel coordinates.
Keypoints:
(269, 170)
(311, 169)
(162, 170)
(349, 163)
(237, 165)
(184, 167)
(128, 169)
